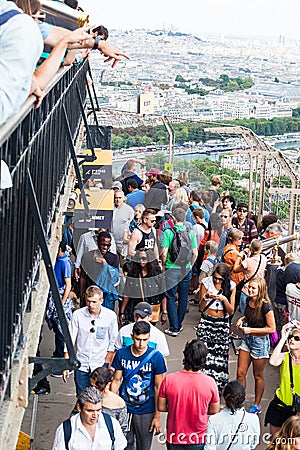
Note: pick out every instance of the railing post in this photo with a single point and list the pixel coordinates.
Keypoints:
(72, 362)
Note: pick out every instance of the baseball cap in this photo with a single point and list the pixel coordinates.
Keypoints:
(116, 185)
(143, 309)
(153, 171)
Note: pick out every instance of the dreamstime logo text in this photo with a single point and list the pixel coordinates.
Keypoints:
(244, 438)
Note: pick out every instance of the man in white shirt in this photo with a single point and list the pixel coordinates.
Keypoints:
(93, 331)
(157, 340)
(88, 428)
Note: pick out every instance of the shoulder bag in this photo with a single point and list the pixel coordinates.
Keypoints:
(237, 430)
(296, 397)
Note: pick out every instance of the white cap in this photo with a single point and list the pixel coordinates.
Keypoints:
(116, 185)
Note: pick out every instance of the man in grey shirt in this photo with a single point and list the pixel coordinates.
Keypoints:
(122, 215)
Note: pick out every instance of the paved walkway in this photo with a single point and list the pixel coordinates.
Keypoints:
(55, 407)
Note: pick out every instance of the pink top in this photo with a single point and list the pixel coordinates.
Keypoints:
(250, 265)
(188, 395)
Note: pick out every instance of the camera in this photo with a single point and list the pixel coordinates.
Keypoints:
(243, 246)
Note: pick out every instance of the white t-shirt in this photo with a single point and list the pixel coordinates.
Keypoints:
(81, 440)
(199, 232)
(293, 298)
(157, 339)
(222, 427)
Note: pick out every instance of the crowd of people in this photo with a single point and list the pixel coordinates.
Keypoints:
(166, 242)
(150, 267)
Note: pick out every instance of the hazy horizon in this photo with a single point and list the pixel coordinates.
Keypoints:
(258, 18)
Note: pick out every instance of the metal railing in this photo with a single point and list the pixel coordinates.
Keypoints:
(35, 142)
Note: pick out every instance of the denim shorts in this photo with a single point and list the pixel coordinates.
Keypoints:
(258, 347)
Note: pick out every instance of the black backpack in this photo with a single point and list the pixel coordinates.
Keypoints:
(181, 247)
(108, 422)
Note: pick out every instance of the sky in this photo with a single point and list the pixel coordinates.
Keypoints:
(225, 17)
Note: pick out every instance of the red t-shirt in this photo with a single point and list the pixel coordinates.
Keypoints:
(188, 395)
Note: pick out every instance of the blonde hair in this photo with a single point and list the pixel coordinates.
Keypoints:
(255, 247)
(180, 195)
(284, 439)
(210, 247)
(289, 257)
(92, 291)
(235, 234)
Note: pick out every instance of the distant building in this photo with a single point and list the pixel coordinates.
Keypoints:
(145, 103)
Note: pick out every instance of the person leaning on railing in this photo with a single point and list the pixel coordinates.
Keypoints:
(16, 59)
(16, 89)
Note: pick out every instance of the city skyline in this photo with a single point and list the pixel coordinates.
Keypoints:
(258, 18)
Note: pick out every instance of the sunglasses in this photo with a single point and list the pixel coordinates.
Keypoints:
(225, 217)
(244, 210)
(143, 258)
(92, 330)
(41, 17)
(296, 338)
(218, 279)
(104, 245)
(153, 220)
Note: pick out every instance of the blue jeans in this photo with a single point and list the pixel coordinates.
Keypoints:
(185, 446)
(82, 380)
(177, 281)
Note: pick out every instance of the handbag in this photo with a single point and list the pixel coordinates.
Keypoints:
(296, 397)
(274, 338)
(155, 308)
(237, 430)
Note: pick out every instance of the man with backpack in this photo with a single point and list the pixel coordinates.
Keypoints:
(90, 428)
(139, 371)
(179, 252)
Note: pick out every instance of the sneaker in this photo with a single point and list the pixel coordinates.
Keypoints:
(181, 328)
(56, 374)
(171, 333)
(255, 409)
(193, 301)
(41, 390)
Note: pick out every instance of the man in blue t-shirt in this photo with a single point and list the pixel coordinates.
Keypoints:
(63, 273)
(139, 371)
(136, 196)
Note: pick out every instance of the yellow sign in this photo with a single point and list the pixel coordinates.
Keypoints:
(23, 441)
(97, 199)
(168, 167)
(103, 157)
